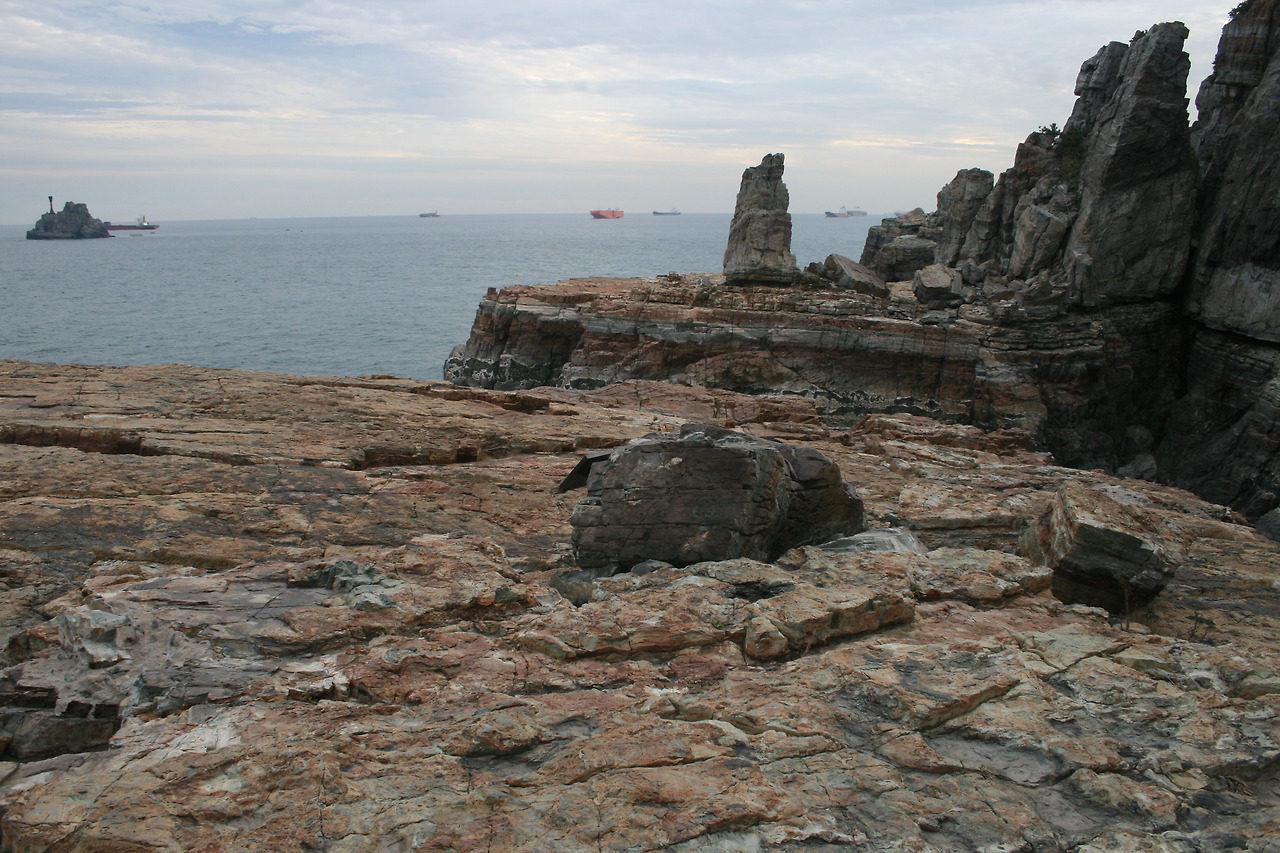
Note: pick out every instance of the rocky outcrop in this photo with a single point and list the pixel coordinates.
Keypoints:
(759, 247)
(72, 223)
(245, 611)
(707, 494)
(1074, 382)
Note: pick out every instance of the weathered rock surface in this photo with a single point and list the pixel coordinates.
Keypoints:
(73, 222)
(252, 611)
(706, 494)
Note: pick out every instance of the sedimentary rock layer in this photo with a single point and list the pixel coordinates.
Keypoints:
(1073, 382)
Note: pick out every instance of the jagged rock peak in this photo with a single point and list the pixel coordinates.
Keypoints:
(72, 223)
(759, 248)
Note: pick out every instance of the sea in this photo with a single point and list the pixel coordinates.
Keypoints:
(332, 296)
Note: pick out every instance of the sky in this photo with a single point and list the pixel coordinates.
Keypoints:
(288, 108)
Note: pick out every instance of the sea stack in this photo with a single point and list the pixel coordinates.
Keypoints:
(73, 223)
(759, 247)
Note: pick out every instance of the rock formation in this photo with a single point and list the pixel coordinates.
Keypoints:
(72, 223)
(245, 611)
(708, 494)
(1113, 294)
(760, 234)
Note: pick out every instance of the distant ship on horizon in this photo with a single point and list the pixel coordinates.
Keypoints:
(845, 213)
(431, 215)
(606, 213)
(671, 212)
(141, 225)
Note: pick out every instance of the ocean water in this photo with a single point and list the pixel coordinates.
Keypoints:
(331, 296)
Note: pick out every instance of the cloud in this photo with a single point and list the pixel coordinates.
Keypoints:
(217, 91)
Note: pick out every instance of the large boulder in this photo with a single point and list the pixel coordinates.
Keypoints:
(847, 274)
(959, 203)
(898, 247)
(938, 286)
(1105, 549)
(72, 223)
(759, 247)
(709, 493)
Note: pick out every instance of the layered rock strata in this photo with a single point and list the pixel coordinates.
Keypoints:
(253, 611)
(1062, 298)
(1074, 382)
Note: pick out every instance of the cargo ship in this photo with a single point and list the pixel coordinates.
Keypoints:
(606, 213)
(671, 212)
(141, 225)
(845, 213)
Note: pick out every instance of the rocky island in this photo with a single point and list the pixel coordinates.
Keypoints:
(73, 222)
(886, 555)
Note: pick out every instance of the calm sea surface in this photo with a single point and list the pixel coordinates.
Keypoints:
(337, 296)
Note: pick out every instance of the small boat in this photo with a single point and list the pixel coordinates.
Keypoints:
(845, 213)
(606, 213)
(431, 215)
(671, 212)
(141, 225)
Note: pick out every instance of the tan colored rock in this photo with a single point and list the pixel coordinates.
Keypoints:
(320, 655)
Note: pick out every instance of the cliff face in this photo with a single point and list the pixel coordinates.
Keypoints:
(245, 611)
(1224, 437)
(72, 223)
(1101, 294)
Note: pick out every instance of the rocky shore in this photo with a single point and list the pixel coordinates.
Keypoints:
(256, 611)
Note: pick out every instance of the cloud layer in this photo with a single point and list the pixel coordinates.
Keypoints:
(227, 109)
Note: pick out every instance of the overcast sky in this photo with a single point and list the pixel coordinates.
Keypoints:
(226, 109)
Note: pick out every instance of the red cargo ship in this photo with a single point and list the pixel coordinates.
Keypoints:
(607, 213)
(142, 225)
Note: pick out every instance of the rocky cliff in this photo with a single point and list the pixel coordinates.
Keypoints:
(245, 611)
(1113, 293)
(73, 222)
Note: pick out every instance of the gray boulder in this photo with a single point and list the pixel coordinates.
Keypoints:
(898, 247)
(938, 286)
(709, 494)
(1105, 549)
(850, 275)
(959, 203)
